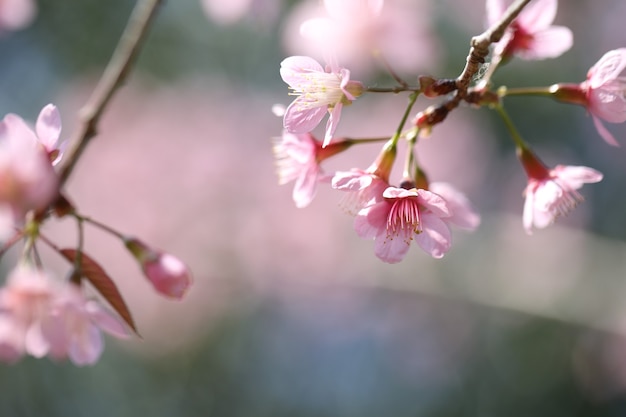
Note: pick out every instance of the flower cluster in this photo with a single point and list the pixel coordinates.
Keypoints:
(395, 214)
(41, 315)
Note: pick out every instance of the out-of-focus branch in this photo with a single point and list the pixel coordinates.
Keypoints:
(113, 77)
(480, 44)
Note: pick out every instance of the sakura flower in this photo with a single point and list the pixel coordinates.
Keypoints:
(318, 91)
(27, 179)
(403, 216)
(552, 193)
(605, 91)
(168, 275)
(298, 157)
(16, 14)
(531, 35)
(40, 316)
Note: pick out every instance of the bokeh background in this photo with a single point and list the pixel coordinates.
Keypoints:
(291, 314)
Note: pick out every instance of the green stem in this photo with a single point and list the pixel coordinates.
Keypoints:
(525, 91)
(355, 141)
(101, 226)
(517, 138)
(396, 136)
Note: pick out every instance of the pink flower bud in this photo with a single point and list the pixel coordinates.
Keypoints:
(168, 274)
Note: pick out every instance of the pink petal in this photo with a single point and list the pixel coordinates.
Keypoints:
(463, 214)
(529, 208)
(395, 192)
(106, 320)
(604, 133)
(355, 180)
(345, 79)
(607, 68)
(332, 123)
(48, 127)
(435, 238)
(495, 10)
(608, 101)
(14, 127)
(295, 70)
(35, 342)
(86, 347)
(549, 43)
(306, 186)
(538, 15)
(575, 176)
(302, 119)
(392, 249)
(434, 203)
(372, 220)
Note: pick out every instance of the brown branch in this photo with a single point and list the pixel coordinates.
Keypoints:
(480, 44)
(113, 77)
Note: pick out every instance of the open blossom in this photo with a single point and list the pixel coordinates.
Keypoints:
(403, 216)
(298, 158)
(531, 35)
(40, 316)
(318, 91)
(552, 193)
(605, 90)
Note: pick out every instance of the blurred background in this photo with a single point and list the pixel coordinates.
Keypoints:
(291, 314)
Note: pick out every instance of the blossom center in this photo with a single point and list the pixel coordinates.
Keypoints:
(404, 216)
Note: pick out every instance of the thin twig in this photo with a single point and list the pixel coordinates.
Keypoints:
(113, 77)
(480, 44)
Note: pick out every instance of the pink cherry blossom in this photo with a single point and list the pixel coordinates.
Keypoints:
(403, 216)
(318, 91)
(16, 14)
(27, 178)
(296, 156)
(531, 35)
(41, 316)
(605, 91)
(229, 12)
(552, 193)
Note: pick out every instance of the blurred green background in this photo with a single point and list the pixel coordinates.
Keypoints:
(291, 313)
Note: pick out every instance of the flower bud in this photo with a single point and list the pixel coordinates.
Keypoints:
(168, 274)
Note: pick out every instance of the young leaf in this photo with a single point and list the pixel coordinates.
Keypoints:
(91, 270)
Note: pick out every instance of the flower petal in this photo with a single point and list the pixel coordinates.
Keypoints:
(549, 43)
(295, 70)
(435, 238)
(48, 127)
(604, 132)
(299, 118)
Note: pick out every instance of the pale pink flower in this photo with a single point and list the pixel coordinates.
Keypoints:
(318, 91)
(41, 316)
(296, 160)
(363, 187)
(231, 11)
(605, 90)
(531, 35)
(403, 216)
(552, 193)
(462, 213)
(360, 31)
(27, 178)
(16, 14)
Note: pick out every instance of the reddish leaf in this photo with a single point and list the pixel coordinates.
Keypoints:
(101, 281)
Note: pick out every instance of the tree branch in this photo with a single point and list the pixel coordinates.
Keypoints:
(113, 78)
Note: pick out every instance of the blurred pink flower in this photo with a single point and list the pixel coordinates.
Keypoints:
(231, 11)
(462, 214)
(359, 30)
(16, 14)
(404, 215)
(27, 178)
(317, 91)
(40, 316)
(605, 90)
(531, 35)
(552, 193)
